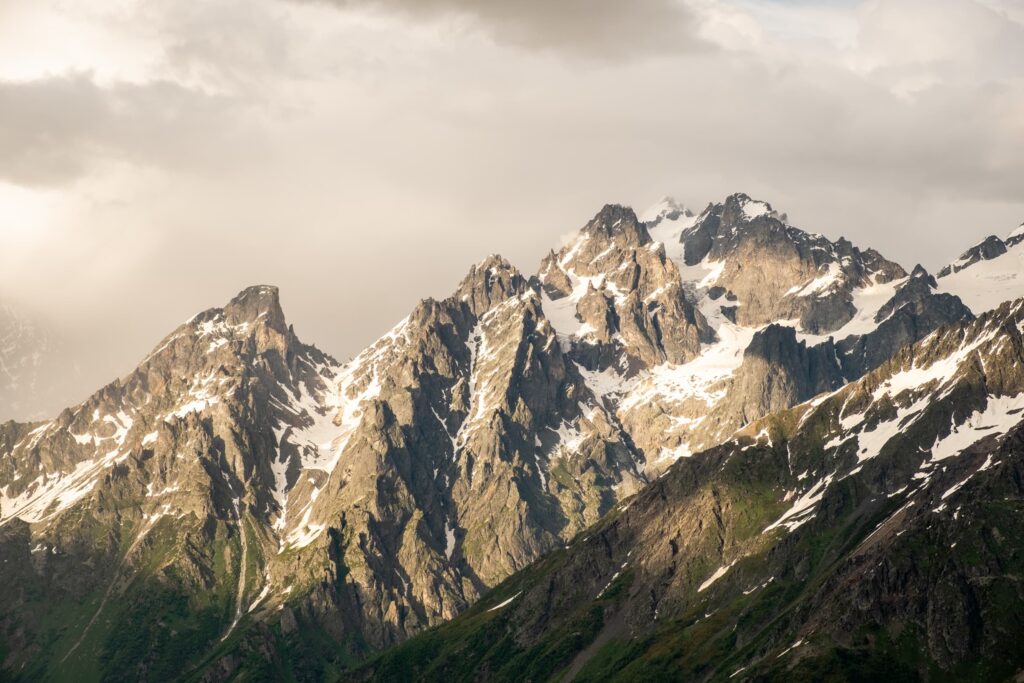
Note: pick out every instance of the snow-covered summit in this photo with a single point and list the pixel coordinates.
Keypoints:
(988, 274)
(753, 209)
(668, 209)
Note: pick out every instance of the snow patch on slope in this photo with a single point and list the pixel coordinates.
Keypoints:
(719, 573)
(802, 509)
(701, 379)
(984, 285)
(1000, 415)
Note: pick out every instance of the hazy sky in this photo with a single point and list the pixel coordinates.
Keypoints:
(156, 157)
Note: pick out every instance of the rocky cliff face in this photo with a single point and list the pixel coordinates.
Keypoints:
(243, 502)
(778, 371)
(772, 271)
(870, 533)
(619, 299)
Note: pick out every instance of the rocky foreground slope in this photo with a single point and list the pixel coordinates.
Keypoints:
(244, 503)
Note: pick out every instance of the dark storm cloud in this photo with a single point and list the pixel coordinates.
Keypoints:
(597, 28)
(53, 130)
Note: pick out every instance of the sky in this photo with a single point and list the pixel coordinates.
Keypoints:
(156, 157)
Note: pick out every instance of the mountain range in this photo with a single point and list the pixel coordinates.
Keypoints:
(701, 446)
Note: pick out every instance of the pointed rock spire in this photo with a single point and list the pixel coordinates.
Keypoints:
(619, 223)
(490, 282)
(254, 303)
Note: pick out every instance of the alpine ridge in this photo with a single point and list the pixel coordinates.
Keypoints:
(670, 412)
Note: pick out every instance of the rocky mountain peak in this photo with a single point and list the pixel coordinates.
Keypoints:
(722, 226)
(988, 273)
(616, 290)
(490, 282)
(254, 303)
(778, 272)
(668, 209)
(620, 224)
(253, 318)
(740, 218)
(740, 208)
(919, 273)
(989, 248)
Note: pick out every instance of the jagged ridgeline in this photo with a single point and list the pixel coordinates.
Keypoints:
(687, 443)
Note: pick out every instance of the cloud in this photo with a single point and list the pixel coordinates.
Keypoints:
(914, 44)
(595, 28)
(54, 130)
